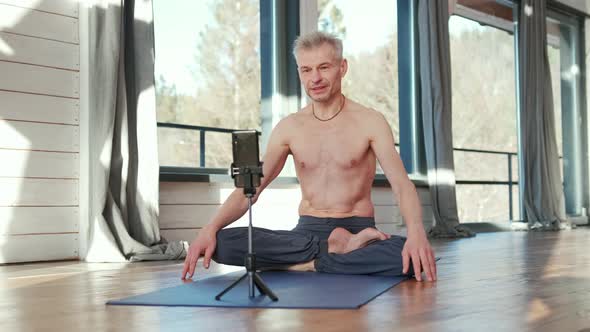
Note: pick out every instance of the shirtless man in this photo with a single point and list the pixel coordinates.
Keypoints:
(335, 143)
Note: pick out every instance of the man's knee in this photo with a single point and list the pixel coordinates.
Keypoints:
(395, 243)
(227, 256)
(226, 250)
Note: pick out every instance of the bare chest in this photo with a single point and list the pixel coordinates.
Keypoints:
(340, 148)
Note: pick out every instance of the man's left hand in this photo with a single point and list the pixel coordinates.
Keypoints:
(418, 250)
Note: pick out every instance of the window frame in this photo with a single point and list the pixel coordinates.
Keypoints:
(278, 29)
(279, 26)
(575, 126)
(280, 23)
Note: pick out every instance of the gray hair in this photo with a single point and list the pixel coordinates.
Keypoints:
(316, 39)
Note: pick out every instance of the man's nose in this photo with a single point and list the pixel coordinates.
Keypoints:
(315, 76)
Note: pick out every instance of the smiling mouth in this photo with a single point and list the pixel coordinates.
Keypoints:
(318, 88)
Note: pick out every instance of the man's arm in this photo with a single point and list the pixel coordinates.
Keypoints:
(236, 204)
(417, 247)
(274, 159)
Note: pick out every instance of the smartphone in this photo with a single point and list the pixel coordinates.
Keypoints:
(246, 154)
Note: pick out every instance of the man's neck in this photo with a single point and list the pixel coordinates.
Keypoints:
(328, 108)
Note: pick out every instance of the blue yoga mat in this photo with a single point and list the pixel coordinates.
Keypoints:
(297, 290)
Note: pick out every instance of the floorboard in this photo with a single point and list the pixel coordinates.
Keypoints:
(502, 281)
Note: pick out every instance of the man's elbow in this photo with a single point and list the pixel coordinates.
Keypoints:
(403, 188)
(409, 188)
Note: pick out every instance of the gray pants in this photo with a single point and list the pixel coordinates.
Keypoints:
(307, 242)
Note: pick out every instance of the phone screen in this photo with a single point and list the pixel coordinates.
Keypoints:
(245, 148)
(245, 154)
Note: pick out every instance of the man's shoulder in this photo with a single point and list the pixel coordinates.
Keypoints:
(289, 121)
(288, 125)
(366, 111)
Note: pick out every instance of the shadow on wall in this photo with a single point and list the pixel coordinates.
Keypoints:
(39, 53)
(39, 131)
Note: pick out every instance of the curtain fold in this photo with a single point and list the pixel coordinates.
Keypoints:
(124, 171)
(542, 189)
(435, 102)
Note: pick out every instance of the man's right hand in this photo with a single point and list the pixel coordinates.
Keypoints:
(203, 244)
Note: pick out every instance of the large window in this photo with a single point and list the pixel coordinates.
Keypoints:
(209, 81)
(553, 52)
(207, 74)
(484, 111)
(565, 69)
(369, 33)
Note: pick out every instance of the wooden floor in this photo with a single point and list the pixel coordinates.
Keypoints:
(504, 281)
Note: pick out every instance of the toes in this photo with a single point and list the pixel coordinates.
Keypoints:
(338, 233)
(338, 240)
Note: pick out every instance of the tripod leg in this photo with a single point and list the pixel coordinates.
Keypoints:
(218, 297)
(263, 288)
(260, 290)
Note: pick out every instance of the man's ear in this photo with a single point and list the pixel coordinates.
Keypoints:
(343, 67)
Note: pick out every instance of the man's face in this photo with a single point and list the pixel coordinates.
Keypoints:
(321, 72)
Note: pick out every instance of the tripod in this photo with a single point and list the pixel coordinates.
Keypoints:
(250, 260)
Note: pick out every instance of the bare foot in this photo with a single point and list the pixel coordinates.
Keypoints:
(304, 267)
(342, 241)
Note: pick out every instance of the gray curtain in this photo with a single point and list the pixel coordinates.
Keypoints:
(542, 190)
(124, 170)
(435, 102)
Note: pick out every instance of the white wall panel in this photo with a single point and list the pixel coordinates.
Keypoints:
(215, 193)
(38, 192)
(384, 196)
(29, 220)
(38, 24)
(39, 164)
(278, 211)
(41, 80)
(62, 7)
(24, 106)
(179, 234)
(182, 216)
(27, 248)
(38, 136)
(191, 193)
(387, 214)
(39, 133)
(273, 216)
(37, 51)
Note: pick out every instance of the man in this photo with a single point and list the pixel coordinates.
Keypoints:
(335, 143)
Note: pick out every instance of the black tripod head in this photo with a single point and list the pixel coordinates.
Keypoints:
(247, 177)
